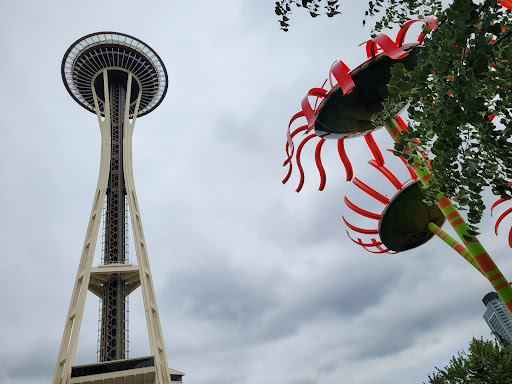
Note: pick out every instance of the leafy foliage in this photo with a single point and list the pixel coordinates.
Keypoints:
(394, 11)
(462, 78)
(283, 9)
(485, 363)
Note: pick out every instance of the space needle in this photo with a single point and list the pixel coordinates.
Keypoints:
(118, 78)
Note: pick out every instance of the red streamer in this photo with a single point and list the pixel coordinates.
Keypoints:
(370, 141)
(382, 250)
(299, 165)
(360, 242)
(430, 21)
(361, 230)
(389, 47)
(361, 211)
(374, 243)
(319, 165)
(403, 127)
(288, 160)
(370, 191)
(342, 75)
(287, 177)
(289, 141)
(386, 172)
(307, 109)
(503, 215)
(344, 159)
(300, 129)
(498, 202)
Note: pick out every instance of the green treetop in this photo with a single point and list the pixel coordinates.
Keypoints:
(484, 363)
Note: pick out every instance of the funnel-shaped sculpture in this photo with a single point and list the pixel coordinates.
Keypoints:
(345, 111)
(403, 220)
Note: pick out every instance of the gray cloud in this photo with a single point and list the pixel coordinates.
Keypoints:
(253, 280)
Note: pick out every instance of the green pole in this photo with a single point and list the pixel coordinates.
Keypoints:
(482, 258)
(458, 247)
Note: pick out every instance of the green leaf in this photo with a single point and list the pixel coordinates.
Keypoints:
(404, 86)
(392, 89)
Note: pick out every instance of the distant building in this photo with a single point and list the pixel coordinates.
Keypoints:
(497, 316)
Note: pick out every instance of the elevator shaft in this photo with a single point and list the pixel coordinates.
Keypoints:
(113, 314)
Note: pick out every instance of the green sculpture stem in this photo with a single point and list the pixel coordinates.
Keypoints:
(482, 258)
(458, 247)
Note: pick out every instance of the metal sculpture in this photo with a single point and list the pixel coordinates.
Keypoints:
(405, 221)
(402, 223)
(345, 111)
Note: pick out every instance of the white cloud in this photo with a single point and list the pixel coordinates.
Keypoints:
(253, 280)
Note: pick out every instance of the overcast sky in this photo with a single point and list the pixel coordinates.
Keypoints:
(254, 282)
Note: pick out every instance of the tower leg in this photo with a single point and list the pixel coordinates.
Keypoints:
(156, 340)
(69, 341)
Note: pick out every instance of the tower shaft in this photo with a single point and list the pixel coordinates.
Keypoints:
(113, 314)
